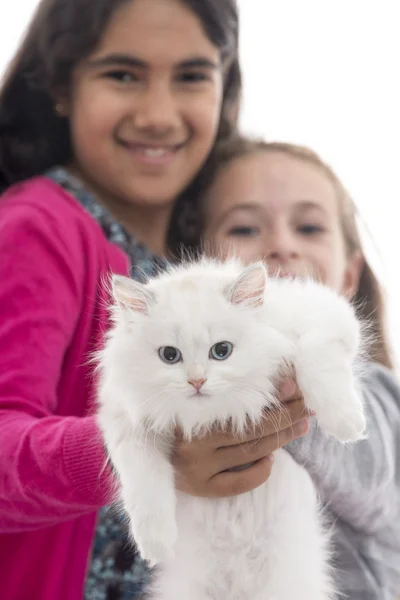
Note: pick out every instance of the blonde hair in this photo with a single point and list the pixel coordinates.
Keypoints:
(369, 297)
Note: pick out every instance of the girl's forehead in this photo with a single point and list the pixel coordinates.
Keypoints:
(271, 180)
(154, 29)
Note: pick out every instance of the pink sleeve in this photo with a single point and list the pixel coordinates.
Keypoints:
(52, 468)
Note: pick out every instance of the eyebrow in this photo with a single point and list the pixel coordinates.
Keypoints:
(127, 60)
(259, 208)
(248, 207)
(309, 205)
(302, 204)
(238, 207)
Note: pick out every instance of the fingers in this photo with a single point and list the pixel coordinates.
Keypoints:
(282, 417)
(221, 463)
(241, 454)
(291, 410)
(234, 483)
(197, 470)
(288, 390)
(274, 420)
(201, 470)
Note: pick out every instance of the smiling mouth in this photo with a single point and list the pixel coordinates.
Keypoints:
(155, 152)
(152, 148)
(151, 154)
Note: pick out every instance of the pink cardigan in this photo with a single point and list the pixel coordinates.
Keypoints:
(53, 259)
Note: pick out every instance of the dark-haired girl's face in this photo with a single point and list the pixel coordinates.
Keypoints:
(144, 108)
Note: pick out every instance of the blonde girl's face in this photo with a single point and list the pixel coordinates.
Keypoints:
(283, 210)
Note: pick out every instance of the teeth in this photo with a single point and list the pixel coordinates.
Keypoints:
(155, 152)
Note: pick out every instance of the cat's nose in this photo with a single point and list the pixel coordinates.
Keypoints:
(197, 383)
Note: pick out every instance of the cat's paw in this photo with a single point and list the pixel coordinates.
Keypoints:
(155, 538)
(346, 425)
(350, 429)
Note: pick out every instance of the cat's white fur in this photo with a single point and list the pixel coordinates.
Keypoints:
(268, 544)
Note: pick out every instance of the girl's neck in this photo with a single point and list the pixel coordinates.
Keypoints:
(148, 224)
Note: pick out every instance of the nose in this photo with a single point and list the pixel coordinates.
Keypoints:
(282, 247)
(156, 110)
(197, 383)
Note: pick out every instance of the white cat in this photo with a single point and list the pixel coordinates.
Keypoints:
(205, 343)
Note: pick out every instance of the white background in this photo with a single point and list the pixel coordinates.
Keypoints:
(324, 73)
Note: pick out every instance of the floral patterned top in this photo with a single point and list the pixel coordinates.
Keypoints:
(115, 572)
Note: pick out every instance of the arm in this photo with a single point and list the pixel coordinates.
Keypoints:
(358, 482)
(52, 468)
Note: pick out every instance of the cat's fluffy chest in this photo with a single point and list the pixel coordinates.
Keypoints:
(235, 545)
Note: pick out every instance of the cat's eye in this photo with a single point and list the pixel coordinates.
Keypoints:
(221, 351)
(169, 355)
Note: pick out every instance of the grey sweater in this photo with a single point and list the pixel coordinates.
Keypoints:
(360, 485)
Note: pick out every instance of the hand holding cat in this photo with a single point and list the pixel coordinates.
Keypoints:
(221, 464)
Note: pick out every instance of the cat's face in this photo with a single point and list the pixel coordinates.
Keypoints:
(195, 346)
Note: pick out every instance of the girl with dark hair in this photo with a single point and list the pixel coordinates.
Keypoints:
(108, 112)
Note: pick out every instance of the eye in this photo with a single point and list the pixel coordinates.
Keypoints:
(169, 355)
(121, 76)
(221, 351)
(244, 231)
(192, 77)
(309, 229)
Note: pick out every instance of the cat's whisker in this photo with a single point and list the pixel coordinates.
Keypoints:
(147, 424)
(276, 419)
(149, 399)
(163, 399)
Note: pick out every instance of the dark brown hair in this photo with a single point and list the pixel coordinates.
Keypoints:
(370, 297)
(33, 137)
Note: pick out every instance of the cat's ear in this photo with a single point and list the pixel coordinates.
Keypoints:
(249, 287)
(130, 295)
